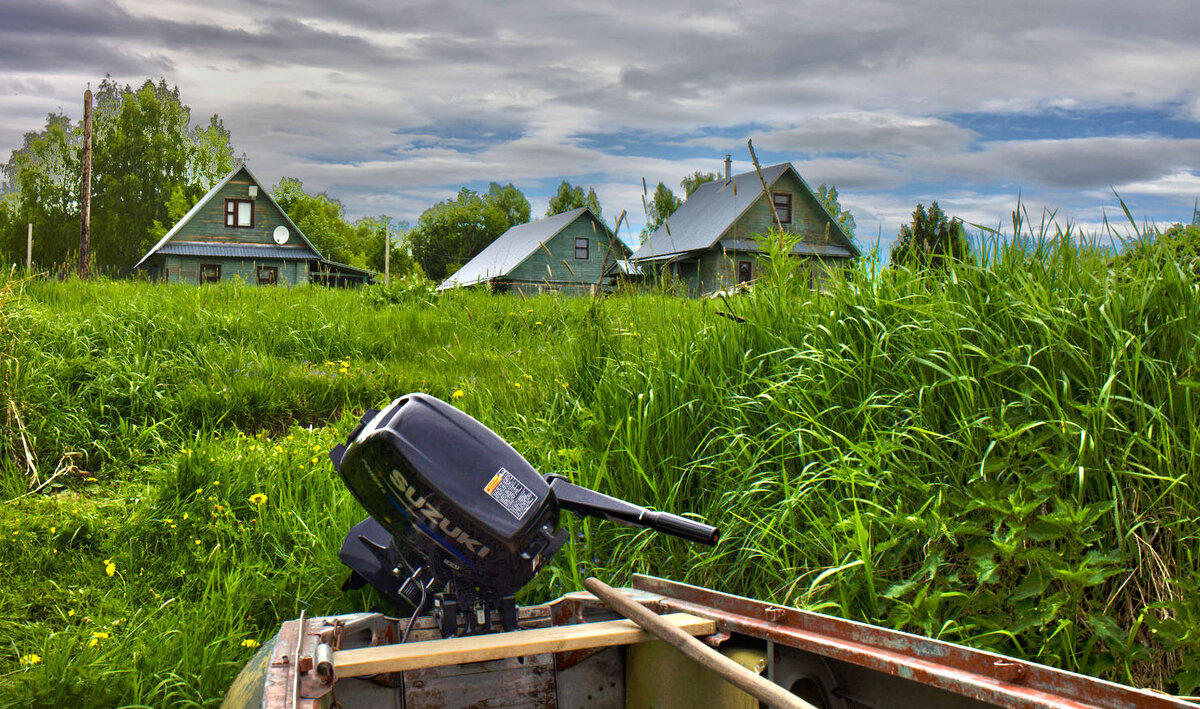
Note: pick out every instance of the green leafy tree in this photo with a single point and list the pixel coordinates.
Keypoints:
(694, 180)
(146, 159)
(511, 201)
(43, 177)
(323, 221)
(452, 232)
(371, 232)
(570, 197)
(843, 218)
(662, 205)
(933, 240)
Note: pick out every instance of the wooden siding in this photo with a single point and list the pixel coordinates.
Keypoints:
(186, 269)
(809, 219)
(209, 223)
(555, 264)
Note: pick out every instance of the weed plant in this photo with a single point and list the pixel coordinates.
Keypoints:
(1002, 453)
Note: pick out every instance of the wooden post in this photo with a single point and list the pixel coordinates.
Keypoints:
(387, 255)
(85, 188)
(29, 250)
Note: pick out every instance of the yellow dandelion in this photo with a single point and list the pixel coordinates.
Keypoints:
(30, 659)
(109, 567)
(517, 384)
(197, 541)
(458, 394)
(314, 459)
(91, 480)
(71, 613)
(216, 482)
(249, 642)
(258, 498)
(185, 515)
(53, 530)
(199, 491)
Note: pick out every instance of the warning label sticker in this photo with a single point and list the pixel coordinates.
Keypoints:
(510, 493)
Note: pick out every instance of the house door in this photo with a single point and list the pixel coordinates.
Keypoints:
(744, 271)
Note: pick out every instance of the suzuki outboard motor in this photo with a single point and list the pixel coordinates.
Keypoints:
(458, 514)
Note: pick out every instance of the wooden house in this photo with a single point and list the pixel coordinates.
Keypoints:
(237, 231)
(572, 252)
(711, 243)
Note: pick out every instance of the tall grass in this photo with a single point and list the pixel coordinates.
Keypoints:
(1002, 454)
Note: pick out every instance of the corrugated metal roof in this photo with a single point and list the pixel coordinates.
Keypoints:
(512, 247)
(242, 251)
(711, 210)
(211, 193)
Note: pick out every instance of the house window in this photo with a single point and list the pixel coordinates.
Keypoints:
(210, 272)
(783, 206)
(744, 272)
(581, 248)
(268, 275)
(239, 213)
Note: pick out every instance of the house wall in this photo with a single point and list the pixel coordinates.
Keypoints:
(809, 218)
(186, 269)
(556, 264)
(209, 223)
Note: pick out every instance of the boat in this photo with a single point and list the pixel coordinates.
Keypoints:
(591, 658)
(460, 522)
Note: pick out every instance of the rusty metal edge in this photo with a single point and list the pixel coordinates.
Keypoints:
(936, 663)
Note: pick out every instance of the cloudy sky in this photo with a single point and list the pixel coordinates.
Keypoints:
(392, 106)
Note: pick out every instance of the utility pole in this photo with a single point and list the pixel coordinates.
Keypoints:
(85, 188)
(387, 255)
(29, 250)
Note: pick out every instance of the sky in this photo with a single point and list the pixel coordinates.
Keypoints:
(392, 106)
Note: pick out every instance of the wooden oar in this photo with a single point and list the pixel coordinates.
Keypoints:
(762, 689)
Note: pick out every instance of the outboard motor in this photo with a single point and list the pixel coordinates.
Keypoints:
(459, 515)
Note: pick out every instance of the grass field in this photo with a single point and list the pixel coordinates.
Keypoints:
(1004, 456)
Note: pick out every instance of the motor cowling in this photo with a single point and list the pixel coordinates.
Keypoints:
(446, 486)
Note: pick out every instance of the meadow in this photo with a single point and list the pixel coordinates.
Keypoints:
(1002, 455)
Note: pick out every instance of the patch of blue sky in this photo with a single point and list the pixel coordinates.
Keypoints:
(1166, 121)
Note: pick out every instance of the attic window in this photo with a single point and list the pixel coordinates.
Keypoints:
(783, 206)
(239, 213)
(581, 248)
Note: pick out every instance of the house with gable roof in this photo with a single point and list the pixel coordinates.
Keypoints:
(572, 252)
(710, 242)
(238, 231)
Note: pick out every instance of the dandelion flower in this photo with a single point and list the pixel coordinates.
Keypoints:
(258, 498)
(71, 613)
(314, 459)
(53, 530)
(249, 642)
(458, 394)
(197, 541)
(109, 567)
(185, 515)
(30, 659)
(199, 491)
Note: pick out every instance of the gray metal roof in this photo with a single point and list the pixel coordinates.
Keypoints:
(512, 247)
(212, 193)
(242, 251)
(711, 210)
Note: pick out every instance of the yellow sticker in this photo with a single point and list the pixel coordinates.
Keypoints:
(491, 486)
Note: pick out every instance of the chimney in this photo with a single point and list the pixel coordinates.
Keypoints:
(728, 166)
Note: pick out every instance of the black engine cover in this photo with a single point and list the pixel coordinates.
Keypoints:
(446, 485)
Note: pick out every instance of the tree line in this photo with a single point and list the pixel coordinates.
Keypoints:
(151, 163)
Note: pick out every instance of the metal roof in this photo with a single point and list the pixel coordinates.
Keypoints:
(512, 247)
(208, 197)
(243, 251)
(712, 209)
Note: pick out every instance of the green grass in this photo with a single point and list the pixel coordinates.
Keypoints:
(1004, 455)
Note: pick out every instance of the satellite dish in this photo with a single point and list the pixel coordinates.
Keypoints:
(281, 234)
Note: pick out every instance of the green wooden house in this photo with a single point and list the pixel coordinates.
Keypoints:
(237, 231)
(710, 242)
(572, 252)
